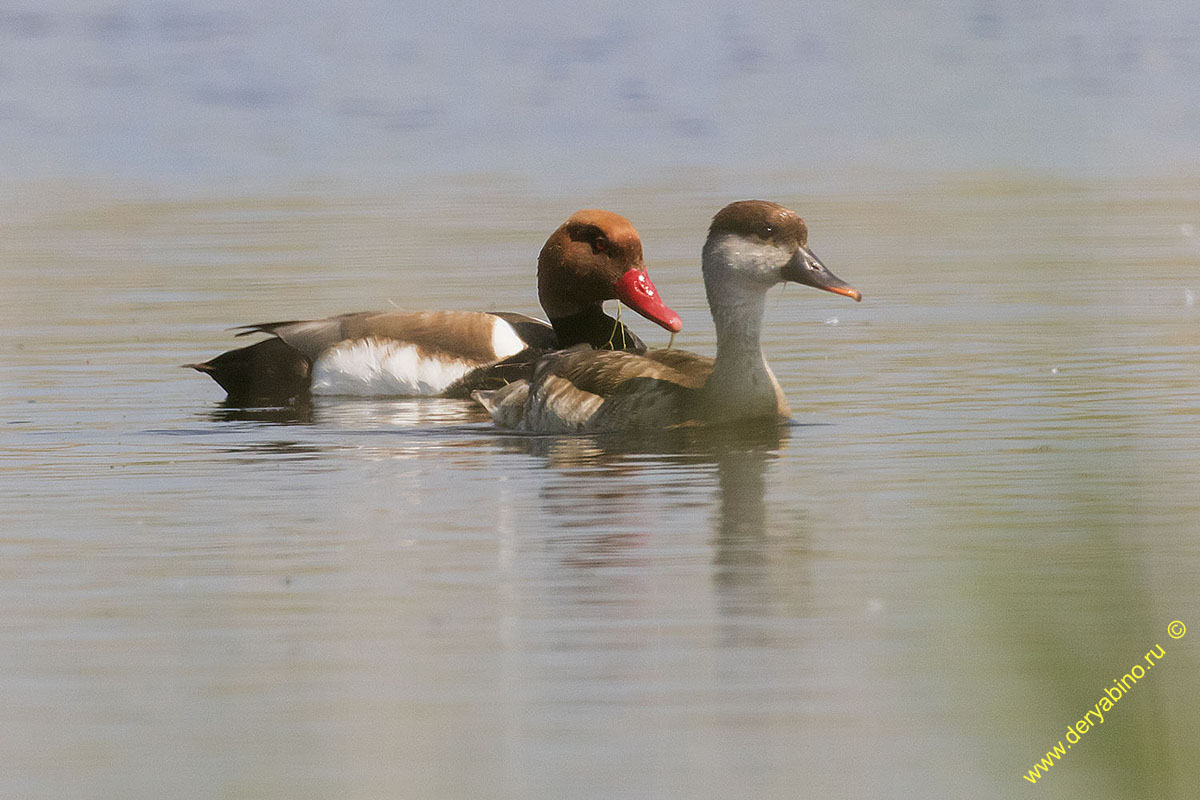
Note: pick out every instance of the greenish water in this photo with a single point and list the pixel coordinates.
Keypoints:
(986, 512)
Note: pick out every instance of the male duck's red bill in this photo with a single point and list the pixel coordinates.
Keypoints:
(636, 290)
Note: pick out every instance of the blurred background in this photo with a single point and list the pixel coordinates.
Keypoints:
(210, 93)
(986, 511)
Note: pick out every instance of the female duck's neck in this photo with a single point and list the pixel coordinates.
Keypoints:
(738, 320)
(741, 385)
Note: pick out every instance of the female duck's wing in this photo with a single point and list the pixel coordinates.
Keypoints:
(692, 368)
(583, 390)
(594, 328)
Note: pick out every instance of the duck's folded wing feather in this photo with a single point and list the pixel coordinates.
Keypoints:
(607, 372)
(534, 332)
(517, 367)
(476, 337)
(583, 390)
(693, 369)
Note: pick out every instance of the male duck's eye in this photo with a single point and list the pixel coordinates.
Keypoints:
(600, 245)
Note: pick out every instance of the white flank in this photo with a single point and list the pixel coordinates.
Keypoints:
(371, 368)
(505, 340)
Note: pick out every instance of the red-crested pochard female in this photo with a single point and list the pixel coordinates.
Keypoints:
(751, 246)
(594, 256)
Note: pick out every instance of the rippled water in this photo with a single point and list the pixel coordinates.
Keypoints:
(985, 512)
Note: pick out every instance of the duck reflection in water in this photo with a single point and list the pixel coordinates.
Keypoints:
(372, 412)
(630, 481)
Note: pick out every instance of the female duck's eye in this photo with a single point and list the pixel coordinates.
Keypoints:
(767, 231)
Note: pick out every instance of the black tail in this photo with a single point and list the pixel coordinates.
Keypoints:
(267, 370)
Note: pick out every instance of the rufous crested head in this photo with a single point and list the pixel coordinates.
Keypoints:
(589, 260)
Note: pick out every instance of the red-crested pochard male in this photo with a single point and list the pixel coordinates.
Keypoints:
(593, 257)
(752, 245)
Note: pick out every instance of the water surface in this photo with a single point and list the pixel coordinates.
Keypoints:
(985, 512)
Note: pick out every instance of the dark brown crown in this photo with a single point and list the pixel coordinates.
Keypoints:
(762, 219)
